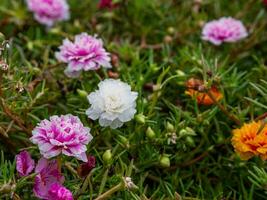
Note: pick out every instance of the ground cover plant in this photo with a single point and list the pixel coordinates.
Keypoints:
(133, 99)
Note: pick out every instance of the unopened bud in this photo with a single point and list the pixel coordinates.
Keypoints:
(140, 118)
(124, 141)
(150, 133)
(82, 93)
(169, 127)
(171, 30)
(107, 156)
(180, 73)
(187, 132)
(189, 140)
(85, 168)
(164, 161)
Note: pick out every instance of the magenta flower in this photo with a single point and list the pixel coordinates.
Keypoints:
(47, 174)
(48, 12)
(24, 163)
(85, 168)
(85, 53)
(62, 134)
(106, 4)
(59, 192)
(226, 29)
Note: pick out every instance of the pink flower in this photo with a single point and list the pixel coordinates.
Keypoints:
(24, 163)
(62, 134)
(48, 12)
(85, 53)
(106, 4)
(265, 2)
(58, 192)
(226, 29)
(47, 174)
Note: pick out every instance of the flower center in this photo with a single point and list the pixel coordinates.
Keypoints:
(113, 103)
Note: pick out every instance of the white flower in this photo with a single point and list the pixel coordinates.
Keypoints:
(113, 104)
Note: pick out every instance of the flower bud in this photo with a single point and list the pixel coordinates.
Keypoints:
(140, 118)
(107, 156)
(85, 168)
(171, 30)
(124, 141)
(187, 132)
(180, 73)
(150, 133)
(189, 140)
(164, 161)
(170, 127)
(82, 93)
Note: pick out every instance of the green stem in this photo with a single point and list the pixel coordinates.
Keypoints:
(59, 163)
(111, 191)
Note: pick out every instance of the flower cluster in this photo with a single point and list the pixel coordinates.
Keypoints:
(85, 53)
(62, 134)
(48, 12)
(48, 181)
(194, 89)
(251, 140)
(113, 103)
(226, 29)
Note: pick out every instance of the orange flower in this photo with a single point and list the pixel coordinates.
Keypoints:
(195, 85)
(251, 140)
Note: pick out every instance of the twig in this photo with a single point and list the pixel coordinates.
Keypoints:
(223, 109)
(14, 117)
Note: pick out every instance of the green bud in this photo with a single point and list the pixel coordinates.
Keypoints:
(30, 45)
(154, 68)
(190, 131)
(187, 132)
(206, 122)
(140, 118)
(82, 93)
(170, 127)
(189, 140)
(150, 133)
(124, 141)
(55, 30)
(164, 161)
(171, 30)
(182, 133)
(180, 73)
(107, 156)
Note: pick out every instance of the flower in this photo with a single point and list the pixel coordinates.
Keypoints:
(47, 175)
(85, 53)
(225, 29)
(251, 140)
(106, 4)
(59, 192)
(265, 2)
(62, 134)
(48, 12)
(194, 87)
(85, 168)
(24, 163)
(113, 104)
